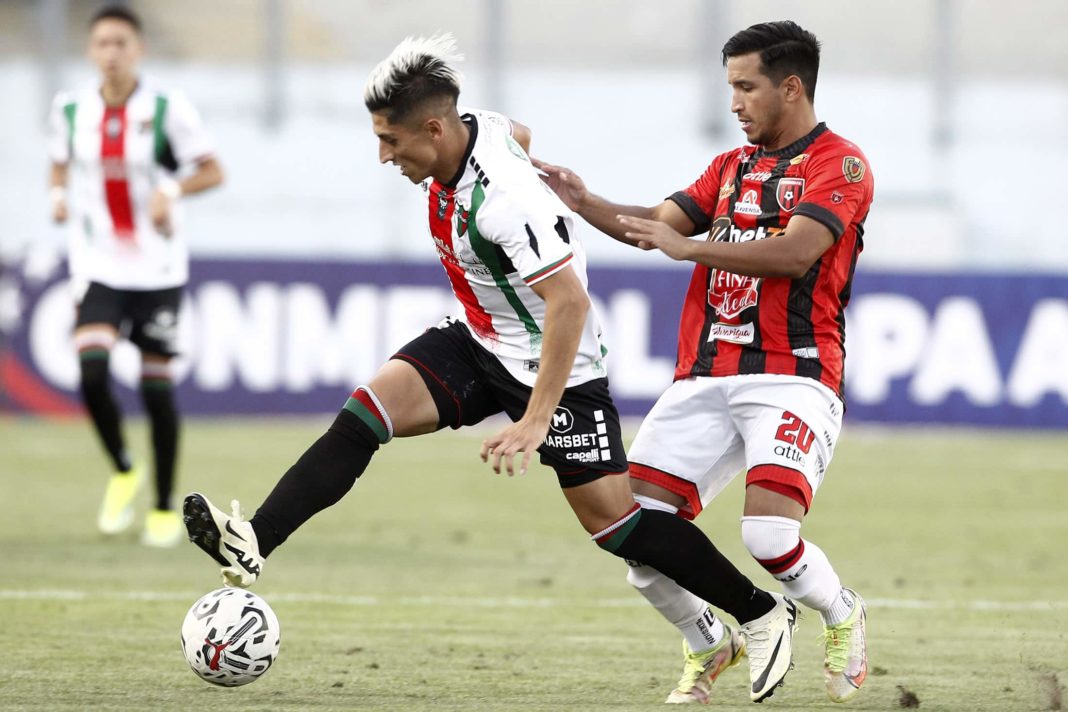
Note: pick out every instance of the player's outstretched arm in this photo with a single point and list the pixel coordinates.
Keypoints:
(790, 254)
(57, 192)
(208, 174)
(602, 213)
(566, 305)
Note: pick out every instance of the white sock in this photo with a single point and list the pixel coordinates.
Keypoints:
(692, 616)
(799, 565)
(839, 610)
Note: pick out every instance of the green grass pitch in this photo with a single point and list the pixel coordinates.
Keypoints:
(437, 585)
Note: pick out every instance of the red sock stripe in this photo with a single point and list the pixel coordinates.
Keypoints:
(786, 561)
(367, 402)
(613, 529)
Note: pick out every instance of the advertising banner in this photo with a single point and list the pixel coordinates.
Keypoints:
(286, 337)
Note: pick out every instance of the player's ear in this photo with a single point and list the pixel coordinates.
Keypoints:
(434, 127)
(793, 88)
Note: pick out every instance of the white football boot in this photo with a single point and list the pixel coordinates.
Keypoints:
(769, 642)
(225, 538)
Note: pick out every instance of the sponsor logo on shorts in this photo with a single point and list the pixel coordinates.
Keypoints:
(562, 420)
(579, 447)
(790, 453)
(163, 326)
(734, 333)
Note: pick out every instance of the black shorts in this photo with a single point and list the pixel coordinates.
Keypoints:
(147, 318)
(469, 384)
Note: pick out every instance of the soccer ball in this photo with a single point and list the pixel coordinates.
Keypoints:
(230, 637)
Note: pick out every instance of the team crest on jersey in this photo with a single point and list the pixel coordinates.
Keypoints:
(462, 216)
(788, 192)
(113, 127)
(443, 204)
(853, 168)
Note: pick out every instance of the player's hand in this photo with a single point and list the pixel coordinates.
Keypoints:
(656, 235)
(59, 211)
(568, 186)
(159, 210)
(524, 436)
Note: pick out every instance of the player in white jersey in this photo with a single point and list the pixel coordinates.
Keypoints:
(119, 147)
(528, 345)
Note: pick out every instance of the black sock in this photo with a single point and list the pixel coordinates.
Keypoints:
(158, 397)
(319, 479)
(681, 551)
(104, 412)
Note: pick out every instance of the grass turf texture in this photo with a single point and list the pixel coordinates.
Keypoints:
(442, 586)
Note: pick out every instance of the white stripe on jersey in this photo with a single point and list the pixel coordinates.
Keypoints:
(143, 259)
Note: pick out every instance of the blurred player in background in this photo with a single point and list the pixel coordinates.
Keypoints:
(759, 377)
(117, 145)
(528, 345)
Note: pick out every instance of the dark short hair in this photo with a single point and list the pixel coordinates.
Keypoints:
(418, 73)
(412, 95)
(785, 48)
(117, 12)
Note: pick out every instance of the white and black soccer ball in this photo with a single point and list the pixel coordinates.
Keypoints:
(230, 637)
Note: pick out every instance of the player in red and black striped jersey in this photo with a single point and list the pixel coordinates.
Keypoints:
(759, 376)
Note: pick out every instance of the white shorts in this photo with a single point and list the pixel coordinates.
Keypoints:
(702, 431)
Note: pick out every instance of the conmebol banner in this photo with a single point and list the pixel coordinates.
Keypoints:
(295, 337)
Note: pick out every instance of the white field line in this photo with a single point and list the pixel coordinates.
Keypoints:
(489, 602)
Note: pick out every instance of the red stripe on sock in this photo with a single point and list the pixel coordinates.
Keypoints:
(617, 526)
(367, 402)
(786, 561)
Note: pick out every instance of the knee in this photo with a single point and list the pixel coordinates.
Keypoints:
(94, 372)
(768, 538)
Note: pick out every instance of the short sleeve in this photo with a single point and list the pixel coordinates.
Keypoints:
(700, 199)
(60, 128)
(536, 241)
(185, 131)
(838, 188)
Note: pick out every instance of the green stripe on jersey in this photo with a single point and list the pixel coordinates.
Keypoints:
(486, 252)
(159, 139)
(69, 110)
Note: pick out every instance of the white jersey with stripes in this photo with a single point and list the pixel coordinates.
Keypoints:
(498, 230)
(116, 156)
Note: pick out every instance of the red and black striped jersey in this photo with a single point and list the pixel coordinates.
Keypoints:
(733, 324)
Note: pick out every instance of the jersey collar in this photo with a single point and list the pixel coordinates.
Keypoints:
(795, 147)
(472, 124)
